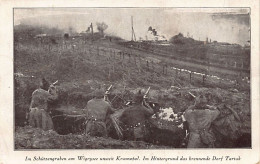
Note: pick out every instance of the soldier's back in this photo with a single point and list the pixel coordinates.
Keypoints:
(200, 119)
(39, 99)
(134, 114)
(98, 108)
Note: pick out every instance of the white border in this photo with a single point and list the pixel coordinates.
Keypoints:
(7, 153)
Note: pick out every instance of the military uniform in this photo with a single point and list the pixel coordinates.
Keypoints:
(97, 111)
(199, 120)
(135, 120)
(39, 115)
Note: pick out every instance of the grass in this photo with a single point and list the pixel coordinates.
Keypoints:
(83, 68)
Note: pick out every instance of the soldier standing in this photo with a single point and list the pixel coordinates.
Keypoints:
(39, 116)
(200, 117)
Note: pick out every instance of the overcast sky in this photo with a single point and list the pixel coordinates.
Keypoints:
(223, 25)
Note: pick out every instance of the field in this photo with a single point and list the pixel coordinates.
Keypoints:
(82, 65)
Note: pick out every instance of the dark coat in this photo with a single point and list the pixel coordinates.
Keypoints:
(134, 121)
(97, 111)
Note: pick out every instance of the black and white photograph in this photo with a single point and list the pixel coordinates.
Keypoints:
(132, 78)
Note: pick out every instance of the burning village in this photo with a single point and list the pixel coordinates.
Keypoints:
(134, 79)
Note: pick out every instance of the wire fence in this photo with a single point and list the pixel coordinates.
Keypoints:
(139, 62)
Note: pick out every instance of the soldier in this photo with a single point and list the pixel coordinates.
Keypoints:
(39, 116)
(97, 110)
(135, 119)
(199, 118)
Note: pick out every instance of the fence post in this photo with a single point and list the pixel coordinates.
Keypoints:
(163, 69)
(129, 57)
(166, 69)
(190, 76)
(203, 78)
(109, 73)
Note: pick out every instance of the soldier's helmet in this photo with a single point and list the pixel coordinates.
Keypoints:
(44, 84)
(201, 101)
(52, 89)
(99, 93)
(138, 98)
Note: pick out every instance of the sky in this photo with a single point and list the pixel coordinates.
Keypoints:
(230, 25)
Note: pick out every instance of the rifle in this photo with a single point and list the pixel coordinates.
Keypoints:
(192, 95)
(146, 93)
(107, 93)
(145, 98)
(56, 82)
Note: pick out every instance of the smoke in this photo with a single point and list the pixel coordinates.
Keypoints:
(153, 31)
(222, 26)
(155, 35)
(101, 27)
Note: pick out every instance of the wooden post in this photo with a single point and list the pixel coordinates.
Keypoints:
(203, 79)
(113, 68)
(163, 69)
(129, 57)
(190, 76)
(97, 50)
(109, 73)
(166, 69)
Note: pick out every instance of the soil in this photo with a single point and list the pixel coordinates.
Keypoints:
(33, 138)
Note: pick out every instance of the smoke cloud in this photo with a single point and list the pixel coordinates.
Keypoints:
(229, 25)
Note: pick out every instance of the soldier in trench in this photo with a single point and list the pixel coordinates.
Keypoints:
(98, 111)
(39, 116)
(199, 118)
(135, 119)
